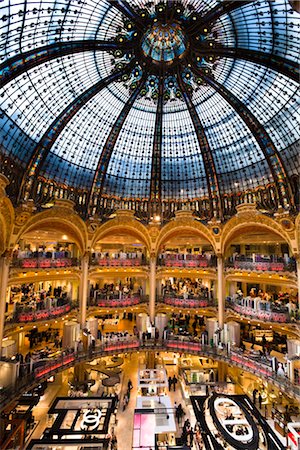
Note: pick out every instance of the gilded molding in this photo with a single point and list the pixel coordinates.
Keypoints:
(183, 224)
(253, 219)
(7, 218)
(60, 218)
(123, 223)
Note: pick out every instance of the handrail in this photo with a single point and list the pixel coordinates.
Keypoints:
(269, 313)
(65, 361)
(261, 266)
(29, 314)
(43, 262)
(191, 302)
(197, 261)
(119, 262)
(117, 301)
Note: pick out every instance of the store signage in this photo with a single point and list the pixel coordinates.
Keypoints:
(91, 420)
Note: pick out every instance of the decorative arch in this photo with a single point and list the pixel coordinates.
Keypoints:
(59, 218)
(7, 216)
(297, 232)
(15, 279)
(125, 224)
(249, 220)
(183, 224)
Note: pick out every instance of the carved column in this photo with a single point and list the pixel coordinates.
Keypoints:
(83, 289)
(4, 273)
(152, 282)
(222, 371)
(297, 257)
(221, 290)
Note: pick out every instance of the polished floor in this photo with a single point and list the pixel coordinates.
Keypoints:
(123, 425)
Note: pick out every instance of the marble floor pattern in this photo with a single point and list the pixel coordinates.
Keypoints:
(124, 426)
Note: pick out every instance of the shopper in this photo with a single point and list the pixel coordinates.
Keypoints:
(113, 442)
(259, 400)
(125, 401)
(254, 396)
(170, 382)
(179, 413)
(174, 382)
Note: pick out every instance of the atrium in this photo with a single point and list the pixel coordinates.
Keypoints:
(149, 224)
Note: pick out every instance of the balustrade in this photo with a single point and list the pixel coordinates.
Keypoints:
(186, 260)
(188, 302)
(272, 264)
(118, 262)
(176, 344)
(262, 310)
(117, 301)
(26, 313)
(44, 263)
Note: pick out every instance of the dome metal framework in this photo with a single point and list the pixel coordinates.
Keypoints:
(151, 105)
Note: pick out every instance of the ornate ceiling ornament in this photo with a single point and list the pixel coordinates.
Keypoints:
(163, 41)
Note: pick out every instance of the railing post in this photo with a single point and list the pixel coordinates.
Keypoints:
(297, 258)
(221, 290)
(83, 292)
(152, 281)
(4, 272)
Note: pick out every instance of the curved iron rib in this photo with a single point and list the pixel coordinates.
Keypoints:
(281, 65)
(208, 160)
(128, 11)
(21, 63)
(219, 10)
(273, 158)
(155, 182)
(110, 143)
(43, 148)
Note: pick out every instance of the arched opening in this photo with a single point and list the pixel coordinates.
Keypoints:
(44, 275)
(260, 273)
(186, 263)
(119, 262)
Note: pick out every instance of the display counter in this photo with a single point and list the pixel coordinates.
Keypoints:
(278, 415)
(259, 334)
(151, 379)
(154, 423)
(199, 381)
(9, 348)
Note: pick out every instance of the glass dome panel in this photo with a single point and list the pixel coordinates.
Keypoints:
(158, 128)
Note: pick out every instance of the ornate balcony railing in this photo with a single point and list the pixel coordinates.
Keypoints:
(189, 261)
(262, 265)
(44, 263)
(30, 314)
(116, 301)
(256, 308)
(118, 262)
(191, 302)
(180, 344)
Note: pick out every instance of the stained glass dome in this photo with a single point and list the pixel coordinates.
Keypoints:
(164, 42)
(155, 105)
